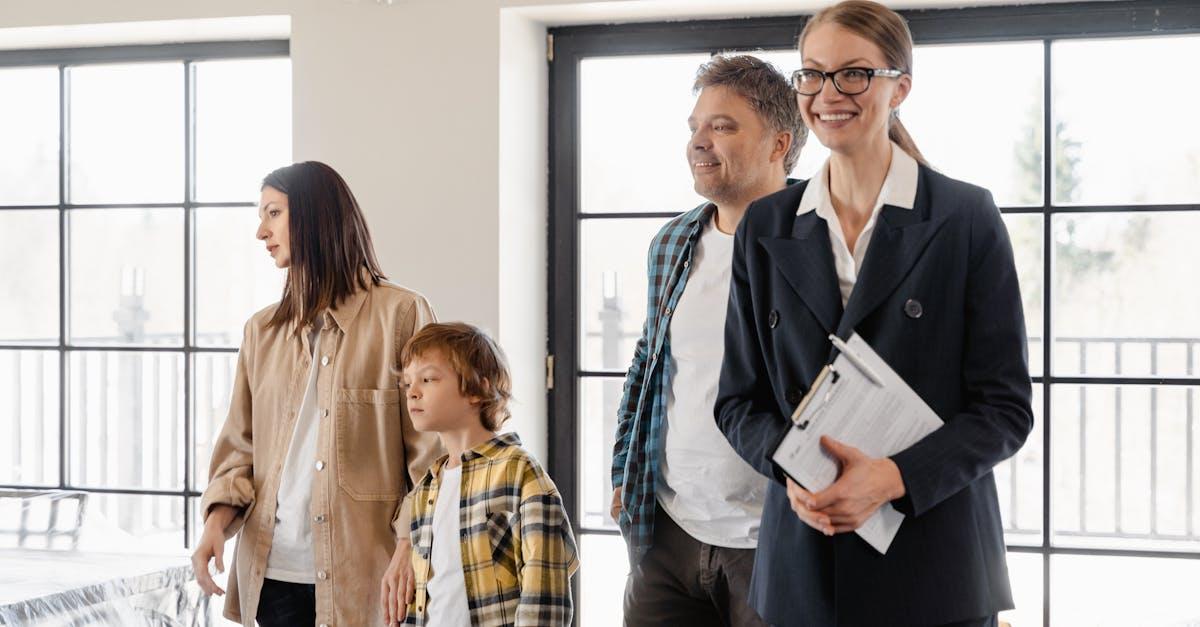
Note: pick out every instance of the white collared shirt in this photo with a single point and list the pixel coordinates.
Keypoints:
(899, 190)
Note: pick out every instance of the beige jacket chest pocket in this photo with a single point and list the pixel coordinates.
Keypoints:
(370, 444)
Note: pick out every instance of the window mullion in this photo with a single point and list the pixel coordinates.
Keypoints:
(1047, 313)
(189, 161)
(63, 258)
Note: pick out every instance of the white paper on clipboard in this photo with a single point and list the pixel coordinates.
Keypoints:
(859, 400)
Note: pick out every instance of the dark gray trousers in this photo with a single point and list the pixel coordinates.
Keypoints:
(682, 581)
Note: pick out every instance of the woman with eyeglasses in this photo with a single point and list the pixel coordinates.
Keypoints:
(921, 267)
(313, 466)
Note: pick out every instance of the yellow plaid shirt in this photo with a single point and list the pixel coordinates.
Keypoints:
(518, 550)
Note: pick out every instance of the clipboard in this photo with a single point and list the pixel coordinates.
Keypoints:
(857, 399)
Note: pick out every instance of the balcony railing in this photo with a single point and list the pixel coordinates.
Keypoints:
(1113, 477)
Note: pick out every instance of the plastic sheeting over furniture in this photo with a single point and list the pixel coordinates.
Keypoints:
(63, 562)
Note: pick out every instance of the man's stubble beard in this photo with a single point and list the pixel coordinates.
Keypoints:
(723, 192)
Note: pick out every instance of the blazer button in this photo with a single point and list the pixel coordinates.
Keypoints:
(773, 319)
(913, 308)
(793, 396)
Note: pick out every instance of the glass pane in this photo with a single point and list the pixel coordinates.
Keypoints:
(126, 420)
(632, 150)
(126, 276)
(1107, 591)
(235, 276)
(29, 126)
(133, 523)
(1025, 231)
(39, 519)
(213, 374)
(1150, 157)
(29, 417)
(1006, 156)
(1019, 485)
(29, 256)
(126, 133)
(1126, 295)
(243, 126)
(598, 400)
(1125, 472)
(951, 95)
(813, 155)
(602, 580)
(1025, 576)
(612, 289)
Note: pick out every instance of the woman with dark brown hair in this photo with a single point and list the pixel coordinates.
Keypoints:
(920, 266)
(317, 455)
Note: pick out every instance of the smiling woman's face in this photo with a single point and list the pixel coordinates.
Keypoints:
(844, 123)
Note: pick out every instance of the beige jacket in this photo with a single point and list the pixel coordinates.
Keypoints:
(368, 454)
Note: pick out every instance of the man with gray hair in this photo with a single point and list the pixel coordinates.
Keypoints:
(688, 505)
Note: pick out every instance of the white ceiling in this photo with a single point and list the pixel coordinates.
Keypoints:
(148, 32)
(569, 12)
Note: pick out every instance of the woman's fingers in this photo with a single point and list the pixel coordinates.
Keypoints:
(391, 598)
(200, 559)
(798, 497)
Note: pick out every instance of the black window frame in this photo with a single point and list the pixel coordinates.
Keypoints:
(185, 54)
(1045, 22)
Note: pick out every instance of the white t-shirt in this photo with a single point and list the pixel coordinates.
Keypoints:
(447, 587)
(291, 556)
(703, 484)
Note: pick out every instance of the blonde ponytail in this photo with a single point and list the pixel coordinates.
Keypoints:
(899, 134)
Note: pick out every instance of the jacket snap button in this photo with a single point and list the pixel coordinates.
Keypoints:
(793, 396)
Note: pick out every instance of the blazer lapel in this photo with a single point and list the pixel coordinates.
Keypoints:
(806, 261)
(900, 236)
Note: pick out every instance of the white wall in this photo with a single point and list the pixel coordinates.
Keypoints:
(524, 138)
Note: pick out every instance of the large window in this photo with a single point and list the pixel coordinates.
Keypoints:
(128, 264)
(1088, 144)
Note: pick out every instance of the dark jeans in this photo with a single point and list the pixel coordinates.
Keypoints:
(987, 621)
(682, 581)
(286, 604)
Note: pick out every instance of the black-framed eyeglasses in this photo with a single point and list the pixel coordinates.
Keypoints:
(848, 80)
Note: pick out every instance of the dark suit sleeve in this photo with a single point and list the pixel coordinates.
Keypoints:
(745, 409)
(997, 415)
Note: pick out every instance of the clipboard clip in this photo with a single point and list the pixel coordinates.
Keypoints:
(822, 402)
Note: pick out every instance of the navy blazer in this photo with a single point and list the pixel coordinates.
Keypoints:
(938, 299)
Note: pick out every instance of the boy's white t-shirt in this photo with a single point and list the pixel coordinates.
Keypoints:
(447, 587)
